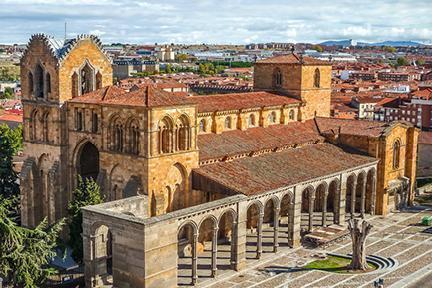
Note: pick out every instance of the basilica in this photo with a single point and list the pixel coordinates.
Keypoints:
(182, 173)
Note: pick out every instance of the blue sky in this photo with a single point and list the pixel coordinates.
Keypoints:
(219, 21)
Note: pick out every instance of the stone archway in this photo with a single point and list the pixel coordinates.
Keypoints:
(88, 161)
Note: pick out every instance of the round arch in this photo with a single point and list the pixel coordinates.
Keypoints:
(88, 161)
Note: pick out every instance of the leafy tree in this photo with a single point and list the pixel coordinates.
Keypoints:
(389, 49)
(402, 61)
(8, 93)
(421, 62)
(182, 57)
(318, 48)
(86, 193)
(25, 253)
(10, 144)
(168, 69)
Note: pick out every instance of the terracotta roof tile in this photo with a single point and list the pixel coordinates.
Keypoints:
(293, 59)
(235, 101)
(255, 175)
(147, 96)
(230, 143)
(351, 126)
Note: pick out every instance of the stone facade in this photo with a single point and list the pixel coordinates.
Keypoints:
(180, 174)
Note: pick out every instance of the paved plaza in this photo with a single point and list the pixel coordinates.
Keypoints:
(398, 235)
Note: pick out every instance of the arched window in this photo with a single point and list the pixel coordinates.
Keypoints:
(87, 79)
(95, 121)
(46, 127)
(291, 115)
(79, 122)
(183, 133)
(134, 137)
(396, 154)
(33, 125)
(74, 85)
(39, 81)
(317, 79)
(166, 135)
(251, 120)
(117, 134)
(272, 117)
(277, 77)
(202, 126)
(228, 122)
(30, 83)
(48, 83)
(98, 80)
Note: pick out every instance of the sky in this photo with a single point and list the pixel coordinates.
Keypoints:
(218, 21)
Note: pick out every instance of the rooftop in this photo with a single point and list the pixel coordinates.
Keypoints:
(146, 96)
(255, 175)
(235, 142)
(236, 101)
(293, 59)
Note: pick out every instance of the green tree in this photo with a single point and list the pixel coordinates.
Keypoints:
(182, 57)
(402, 61)
(318, 48)
(421, 62)
(25, 253)
(168, 69)
(86, 193)
(10, 144)
(389, 49)
(8, 93)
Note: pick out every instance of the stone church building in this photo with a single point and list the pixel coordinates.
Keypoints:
(181, 175)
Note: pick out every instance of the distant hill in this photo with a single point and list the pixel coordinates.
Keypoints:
(343, 43)
(350, 42)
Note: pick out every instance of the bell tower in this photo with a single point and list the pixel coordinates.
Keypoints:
(53, 72)
(304, 78)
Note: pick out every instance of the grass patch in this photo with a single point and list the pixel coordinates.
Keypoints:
(334, 264)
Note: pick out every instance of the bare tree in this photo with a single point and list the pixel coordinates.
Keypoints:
(358, 236)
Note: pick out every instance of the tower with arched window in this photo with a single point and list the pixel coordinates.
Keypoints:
(54, 71)
(297, 76)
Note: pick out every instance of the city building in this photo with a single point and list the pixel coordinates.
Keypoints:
(123, 69)
(206, 169)
(165, 53)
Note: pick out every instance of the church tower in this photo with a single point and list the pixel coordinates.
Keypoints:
(304, 78)
(52, 72)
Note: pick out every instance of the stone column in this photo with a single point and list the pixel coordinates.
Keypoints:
(238, 248)
(373, 196)
(89, 260)
(324, 208)
(214, 252)
(353, 196)
(363, 197)
(259, 234)
(194, 258)
(341, 210)
(296, 219)
(311, 209)
(276, 230)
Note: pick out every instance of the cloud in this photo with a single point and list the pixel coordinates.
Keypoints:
(218, 21)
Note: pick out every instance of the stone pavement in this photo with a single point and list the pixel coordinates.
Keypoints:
(397, 235)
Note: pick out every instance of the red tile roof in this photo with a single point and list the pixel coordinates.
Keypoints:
(353, 127)
(230, 143)
(293, 59)
(425, 137)
(255, 175)
(147, 96)
(236, 101)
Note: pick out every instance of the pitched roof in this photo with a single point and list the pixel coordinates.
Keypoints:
(255, 175)
(293, 59)
(354, 127)
(236, 101)
(61, 48)
(146, 96)
(235, 142)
